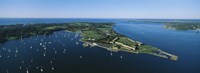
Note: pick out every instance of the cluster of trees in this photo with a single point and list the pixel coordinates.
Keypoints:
(84, 26)
(107, 37)
(10, 32)
(184, 25)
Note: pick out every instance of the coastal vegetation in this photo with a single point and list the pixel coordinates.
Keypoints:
(172, 24)
(183, 25)
(93, 34)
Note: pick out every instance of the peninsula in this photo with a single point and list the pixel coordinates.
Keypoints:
(93, 34)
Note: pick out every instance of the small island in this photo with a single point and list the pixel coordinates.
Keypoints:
(93, 34)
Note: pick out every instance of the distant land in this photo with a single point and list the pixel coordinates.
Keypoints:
(183, 25)
(178, 24)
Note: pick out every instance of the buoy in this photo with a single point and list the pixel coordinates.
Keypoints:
(37, 67)
(55, 52)
(52, 68)
(27, 71)
(121, 57)
(22, 62)
(45, 48)
(31, 47)
(7, 71)
(41, 44)
(31, 60)
(41, 69)
(16, 50)
(80, 57)
(20, 67)
(44, 54)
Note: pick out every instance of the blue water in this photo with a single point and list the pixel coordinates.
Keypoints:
(30, 56)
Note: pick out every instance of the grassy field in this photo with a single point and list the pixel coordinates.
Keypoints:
(146, 49)
(91, 34)
(126, 41)
(53, 28)
(104, 29)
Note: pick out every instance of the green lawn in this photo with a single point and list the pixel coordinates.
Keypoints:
(53, 27)
(12, 38)
(146, 49)
(126, 41)
(91, 34)
(104, 29)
